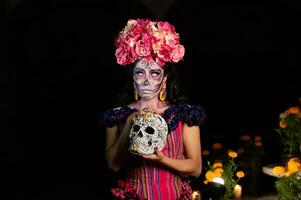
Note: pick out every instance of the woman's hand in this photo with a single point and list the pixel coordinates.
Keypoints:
(157, 156)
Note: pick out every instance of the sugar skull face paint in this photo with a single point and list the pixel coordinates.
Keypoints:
(148, 76)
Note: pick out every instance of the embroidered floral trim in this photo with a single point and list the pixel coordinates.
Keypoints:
(192, 115)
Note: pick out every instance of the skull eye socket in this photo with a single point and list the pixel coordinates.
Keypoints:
(150, 130)
(136, 128)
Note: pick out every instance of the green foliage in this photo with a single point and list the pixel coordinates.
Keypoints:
(229, 177)
(289, 187)
(290, 132)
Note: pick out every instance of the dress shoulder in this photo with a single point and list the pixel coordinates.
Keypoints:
(115, 116)
(193, 115)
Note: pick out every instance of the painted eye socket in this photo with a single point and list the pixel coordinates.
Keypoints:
(136, 128)
(150, 130)
(139, 73)
(155, 74)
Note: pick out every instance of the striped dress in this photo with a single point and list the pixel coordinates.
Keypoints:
(144, 179)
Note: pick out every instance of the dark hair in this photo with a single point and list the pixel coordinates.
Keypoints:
(126, 96)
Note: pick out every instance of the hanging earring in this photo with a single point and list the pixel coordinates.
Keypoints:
(162, 95)
(136, 95)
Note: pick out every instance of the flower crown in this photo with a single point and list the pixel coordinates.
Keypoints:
(152, 40)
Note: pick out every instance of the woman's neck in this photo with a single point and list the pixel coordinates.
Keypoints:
(153, 104)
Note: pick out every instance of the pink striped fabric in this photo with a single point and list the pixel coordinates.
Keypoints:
(147, 180)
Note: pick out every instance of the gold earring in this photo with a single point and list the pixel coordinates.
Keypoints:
(162, 95)
(136, 95)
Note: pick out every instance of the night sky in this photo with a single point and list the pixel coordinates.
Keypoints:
(240, 65)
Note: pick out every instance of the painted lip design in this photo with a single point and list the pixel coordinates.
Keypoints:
(147, 91)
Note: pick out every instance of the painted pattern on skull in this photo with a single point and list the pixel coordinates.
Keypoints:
(148, 132)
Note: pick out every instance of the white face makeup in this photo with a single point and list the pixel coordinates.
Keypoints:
(148, 76)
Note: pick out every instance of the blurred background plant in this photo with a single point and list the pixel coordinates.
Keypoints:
(288, 185)
(225, 172)
(290, 130)
(251, 152)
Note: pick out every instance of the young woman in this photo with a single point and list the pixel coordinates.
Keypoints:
(146, 47)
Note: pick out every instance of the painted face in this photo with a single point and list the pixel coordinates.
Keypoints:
(148, 76)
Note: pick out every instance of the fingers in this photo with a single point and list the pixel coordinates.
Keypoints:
(159, 154)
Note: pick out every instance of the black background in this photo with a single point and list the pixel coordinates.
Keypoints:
(240, 65)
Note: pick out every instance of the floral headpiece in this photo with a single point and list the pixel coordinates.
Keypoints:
(145, 38)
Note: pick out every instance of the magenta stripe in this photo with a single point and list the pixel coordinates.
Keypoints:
(156, 183)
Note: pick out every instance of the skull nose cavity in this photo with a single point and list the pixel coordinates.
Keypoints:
(140, 134)
(150, 130)
(149, 143)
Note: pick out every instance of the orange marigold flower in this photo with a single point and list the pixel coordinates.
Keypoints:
(294, 110)
(294, 159)
(257, 138)
(293, 166)
(245, 138)
(278, 170)
(210, 175)
(218, 172)
(205, 152)
(258, 144)
(288, 173)
(217, 164)
(240, 174)
(216, 146)
(232, 154)
(282, 124)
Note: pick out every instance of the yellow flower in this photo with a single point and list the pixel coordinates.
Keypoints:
(217, 146)
(278, 170)
(240, 174)
(210, 175)
(206, 182)
(232, 154)
(293, 166)
(205, 152)
(217, 164)
(218, 172)
(294, 159)
(288, 173)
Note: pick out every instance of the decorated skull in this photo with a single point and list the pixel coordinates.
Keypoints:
(148, 132)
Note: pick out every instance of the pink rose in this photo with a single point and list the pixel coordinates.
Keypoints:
(142, 49)
(132, 55)
(121, 56)
(125, 55)
(143, 46)
(164, 53)
(166, 26)
(177, 53)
